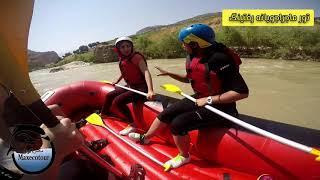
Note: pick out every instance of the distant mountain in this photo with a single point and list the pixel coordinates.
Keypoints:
(200, 18)
(40, 59)
(149, 28)
(156, 32)
(153, 41)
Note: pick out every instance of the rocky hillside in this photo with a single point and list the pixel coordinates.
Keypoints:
(149, 28)
(158, 42)
(105, 53)
(213, 19)
(197, 19)
(41, 59)
(292, 43)
(158, 31)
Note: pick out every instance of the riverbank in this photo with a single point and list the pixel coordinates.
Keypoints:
(71, 65)
(78, 62)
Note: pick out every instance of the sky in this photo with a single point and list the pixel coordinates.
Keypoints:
(64, 25)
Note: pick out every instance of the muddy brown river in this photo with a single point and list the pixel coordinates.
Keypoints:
(282, 91)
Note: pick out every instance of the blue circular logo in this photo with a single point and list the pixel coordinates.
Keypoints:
(34, 162)
(28, 156)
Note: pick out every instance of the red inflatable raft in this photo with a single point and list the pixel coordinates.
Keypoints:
(217, 153)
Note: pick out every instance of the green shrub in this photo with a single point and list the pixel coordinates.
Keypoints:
(230, 36)
(85, 57)
(170, 47)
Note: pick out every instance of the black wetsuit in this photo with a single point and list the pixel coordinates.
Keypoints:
(119, 98)
(184, 115)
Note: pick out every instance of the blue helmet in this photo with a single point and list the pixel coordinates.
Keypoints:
(199, 33)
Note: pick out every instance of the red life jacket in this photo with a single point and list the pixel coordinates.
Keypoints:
(203, 81)
(234, 56)
(131, 72)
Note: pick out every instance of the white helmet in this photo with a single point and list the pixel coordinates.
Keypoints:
(124, 38)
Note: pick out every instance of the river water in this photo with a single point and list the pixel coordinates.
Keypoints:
(282, 91)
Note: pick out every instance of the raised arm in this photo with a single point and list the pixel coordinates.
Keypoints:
(178, 77)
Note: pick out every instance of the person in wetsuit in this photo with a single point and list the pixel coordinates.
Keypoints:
(213, 71)
(135, 72)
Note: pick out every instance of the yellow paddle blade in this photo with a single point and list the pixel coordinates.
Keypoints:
(171, 88)
(167, 167)
(316, 153)
(95, 119)
(105, 81)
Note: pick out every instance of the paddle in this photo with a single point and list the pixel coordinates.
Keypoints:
(129, 89)
(92, 155)
(310, 150)
(95, 119)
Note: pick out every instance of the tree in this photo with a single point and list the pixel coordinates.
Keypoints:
(67, 54)
(92, 45)
(83, 49)
(142, 43)
(232, 37)
(251, 37)
(76, 51)
(170, 47)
